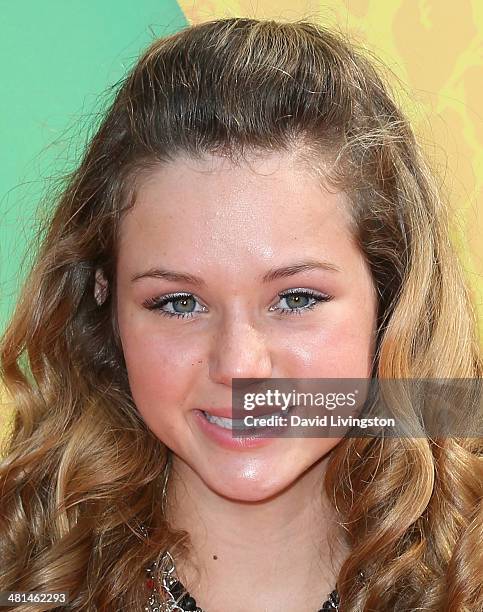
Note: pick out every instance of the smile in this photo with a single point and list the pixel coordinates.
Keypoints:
(227, 423)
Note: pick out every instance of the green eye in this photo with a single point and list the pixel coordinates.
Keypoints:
(184, 304)
(299, 300)
(296, 301)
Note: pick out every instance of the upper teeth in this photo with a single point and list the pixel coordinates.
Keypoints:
(237, 423)
(223, 421)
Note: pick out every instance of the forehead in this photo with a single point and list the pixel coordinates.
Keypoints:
(212, 202)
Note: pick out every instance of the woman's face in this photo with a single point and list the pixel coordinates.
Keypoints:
(228, 226)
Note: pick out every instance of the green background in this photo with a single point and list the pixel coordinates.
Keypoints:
(60, 60)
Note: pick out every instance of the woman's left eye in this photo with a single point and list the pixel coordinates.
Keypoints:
(299, 300)
(183, 305)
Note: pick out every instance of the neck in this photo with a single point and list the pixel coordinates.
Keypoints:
(282, 553)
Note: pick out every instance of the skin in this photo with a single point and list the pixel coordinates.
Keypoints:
(229, 224)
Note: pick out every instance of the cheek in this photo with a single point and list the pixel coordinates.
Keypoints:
(341, 348)
(151, 359)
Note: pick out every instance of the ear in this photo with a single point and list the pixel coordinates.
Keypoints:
(100, 289)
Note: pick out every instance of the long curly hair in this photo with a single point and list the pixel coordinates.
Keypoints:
(82, 472)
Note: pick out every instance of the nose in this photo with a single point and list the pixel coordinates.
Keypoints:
(239, 350)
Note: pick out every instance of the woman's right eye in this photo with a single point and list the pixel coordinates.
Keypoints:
(180, 305)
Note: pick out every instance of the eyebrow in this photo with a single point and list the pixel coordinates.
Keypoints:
(272, 274)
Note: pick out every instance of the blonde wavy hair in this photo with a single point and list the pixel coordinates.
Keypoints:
(81, 470)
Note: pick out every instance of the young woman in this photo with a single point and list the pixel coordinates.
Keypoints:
(254, 205)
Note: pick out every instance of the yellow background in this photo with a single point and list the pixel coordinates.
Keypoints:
(434, 52)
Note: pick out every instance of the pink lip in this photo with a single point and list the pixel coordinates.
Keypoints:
(224, 437)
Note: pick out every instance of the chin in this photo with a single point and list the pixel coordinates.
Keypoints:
(263, 474)
(248, 492)
(250, 485)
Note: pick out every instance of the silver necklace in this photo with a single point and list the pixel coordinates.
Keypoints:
(178, 597)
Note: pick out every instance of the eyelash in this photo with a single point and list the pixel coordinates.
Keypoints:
(158, 302)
